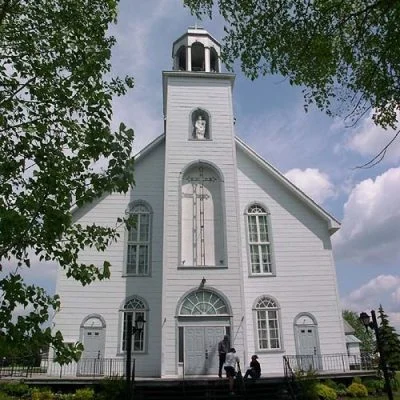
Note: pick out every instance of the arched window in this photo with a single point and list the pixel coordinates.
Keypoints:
(214, 60)
(139, 235)
(181, 59)
(203, 302)
(267, 318)
(259, 240)
(137, 308)
(202, 221)
(198, 57)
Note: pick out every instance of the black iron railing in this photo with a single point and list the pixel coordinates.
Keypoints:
(329, 362)
(290, 377)
(86, 367)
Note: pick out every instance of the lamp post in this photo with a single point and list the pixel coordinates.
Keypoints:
(366, 320)
(130, 331)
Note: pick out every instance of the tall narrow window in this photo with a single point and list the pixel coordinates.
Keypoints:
(137, 308)
(202, 222)
(259, 241)
(138, 256)
(267, 317)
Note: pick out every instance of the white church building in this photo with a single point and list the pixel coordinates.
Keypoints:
(223, 244)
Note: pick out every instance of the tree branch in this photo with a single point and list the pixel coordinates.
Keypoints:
(379, 157)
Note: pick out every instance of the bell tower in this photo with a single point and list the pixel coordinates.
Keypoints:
(196, 51)
(201, 245)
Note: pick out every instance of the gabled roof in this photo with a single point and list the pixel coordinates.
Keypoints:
(333, 223)
(138, 156)
(348, 329)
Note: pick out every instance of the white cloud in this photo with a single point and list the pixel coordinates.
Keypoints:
(383, 289)
(370, 228)
(396, 295)
(369, 140)
(374, 287)
(314, 183)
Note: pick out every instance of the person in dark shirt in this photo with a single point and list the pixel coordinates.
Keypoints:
(255, 369)
(223, 348)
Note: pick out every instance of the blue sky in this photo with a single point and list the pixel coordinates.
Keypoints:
(316, 152)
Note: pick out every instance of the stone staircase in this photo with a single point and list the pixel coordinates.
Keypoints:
(210, 390)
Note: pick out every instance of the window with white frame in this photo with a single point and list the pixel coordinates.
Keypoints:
(138, 248)
(137, 308)
(259, 240)
(267, 317)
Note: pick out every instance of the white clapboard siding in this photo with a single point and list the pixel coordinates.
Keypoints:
(107, 297)
(184, 95)
(305, 278)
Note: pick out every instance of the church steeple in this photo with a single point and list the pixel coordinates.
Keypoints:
(196, 51)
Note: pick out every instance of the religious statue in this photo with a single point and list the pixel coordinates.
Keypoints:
(200, 127)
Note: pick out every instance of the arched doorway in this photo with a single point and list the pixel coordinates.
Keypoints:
(307, 342)
(203, 320)
(93, 336)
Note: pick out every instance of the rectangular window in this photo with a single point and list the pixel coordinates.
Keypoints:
(259, 242)
(268, 329)
(138, 247)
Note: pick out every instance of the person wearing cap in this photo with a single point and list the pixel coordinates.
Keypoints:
(230, 367)
(223, 348)
(255, 369)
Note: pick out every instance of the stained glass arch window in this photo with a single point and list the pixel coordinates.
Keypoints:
(203, 302)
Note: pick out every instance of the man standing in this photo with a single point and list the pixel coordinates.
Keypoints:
(230, 367)
(223, 348)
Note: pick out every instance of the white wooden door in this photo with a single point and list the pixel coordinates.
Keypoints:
(308, 351)
(91, 362)
(201, 349)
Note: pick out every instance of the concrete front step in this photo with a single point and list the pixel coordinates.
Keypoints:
(212, 390)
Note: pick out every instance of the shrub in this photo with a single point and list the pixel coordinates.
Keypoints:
(306, 383)
(45, 394)
(341, 389)
(111, 389)
(15, 389)
(4, 396)
(84, 394)
(374, 385)
(330, 383)
(357, 390)
(325, 392)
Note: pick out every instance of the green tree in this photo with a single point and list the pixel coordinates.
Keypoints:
(344, 53)
(367, 338)
(390, 341)
(57, 151)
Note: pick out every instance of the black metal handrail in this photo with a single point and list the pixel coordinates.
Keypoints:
(85, 367)
(290, 377)
(331, 362)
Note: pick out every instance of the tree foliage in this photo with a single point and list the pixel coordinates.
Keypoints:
(57, 149)
(390, 341)
(345, 53)
(367, 338)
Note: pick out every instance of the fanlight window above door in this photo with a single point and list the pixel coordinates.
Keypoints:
(203, 302)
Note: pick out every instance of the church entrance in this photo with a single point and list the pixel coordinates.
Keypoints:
(307, 343)
(203, 320)
(202, 349)
(93, 338)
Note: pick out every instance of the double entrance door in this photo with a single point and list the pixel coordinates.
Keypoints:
(201, 349)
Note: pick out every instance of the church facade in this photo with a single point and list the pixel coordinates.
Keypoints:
(222, 244)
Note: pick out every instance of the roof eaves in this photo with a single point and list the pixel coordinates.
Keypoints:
(333, 223)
